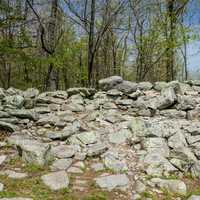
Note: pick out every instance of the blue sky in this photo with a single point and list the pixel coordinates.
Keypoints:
(194, 56)
(193, 21)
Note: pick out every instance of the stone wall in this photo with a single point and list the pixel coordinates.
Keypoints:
(136, 130)
(173, 100)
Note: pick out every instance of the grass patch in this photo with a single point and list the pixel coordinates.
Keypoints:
(97, 196)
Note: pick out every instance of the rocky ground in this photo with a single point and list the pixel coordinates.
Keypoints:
(125, 141)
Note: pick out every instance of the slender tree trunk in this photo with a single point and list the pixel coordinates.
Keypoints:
(171, 40)
(91, 42)
(52, 80)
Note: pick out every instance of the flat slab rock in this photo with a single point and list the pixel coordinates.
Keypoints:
(56, 180)
(2, 159)
(112, 181)
(1, 187)
(194, 197)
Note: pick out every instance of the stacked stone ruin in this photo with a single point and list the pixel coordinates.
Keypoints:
(136, 130)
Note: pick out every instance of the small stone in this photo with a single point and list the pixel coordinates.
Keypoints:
(194, 197)
(2, 159)
(174, 186)
(74, 170)
(56, 180)
(120, 137)
(140, 187)
(14, 175)
(112, 181)
(1, 187)
(97, 167)
(96, 149)
(87, 137)
(63, 151)
(61, 164)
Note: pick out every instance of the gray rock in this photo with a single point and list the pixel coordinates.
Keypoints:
(177, 141)
(56, 180)
(109, 83)
(2, 93)
(13, 91)
(124, 102)
(194, 197)
(97, 167)
(186, 102)
(193, 114)
(195, 82)
(167, 98)
(25, 114)
(1, 187)
(85, 91)
(195, 169)
(138, 127)
(2, 159)
(32, 151)
(10, 120)
(15, 175)
(145, 86)
(57, 97)
(115, 164)
(63, 151)
(50, 119)
(8, 126)
(136, 94)
(183, 89)
(61, 164)
(61, 135)
(173, 113)
(157, 164)
(160, 85)
(87, 137)
(127, 87)
(120, 137)
(173, 186)
(74, 107)
(140, 187)
(16, 101)
(112, 181)
(31, 93)
(154, 145)
(114, 93)
(75, 170)
(4, 114)
(96, 149)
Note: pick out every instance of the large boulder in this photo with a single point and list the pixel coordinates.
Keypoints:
(16, 101)
(165, 100)
(31, 93)
(145, 86)
(110, 82)
(127, 87)
(31, 151)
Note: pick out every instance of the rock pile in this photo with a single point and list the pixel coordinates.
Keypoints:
(128, 131)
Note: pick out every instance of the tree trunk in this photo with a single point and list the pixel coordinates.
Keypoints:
(91, 42)
(171, 40)
(52, 80)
